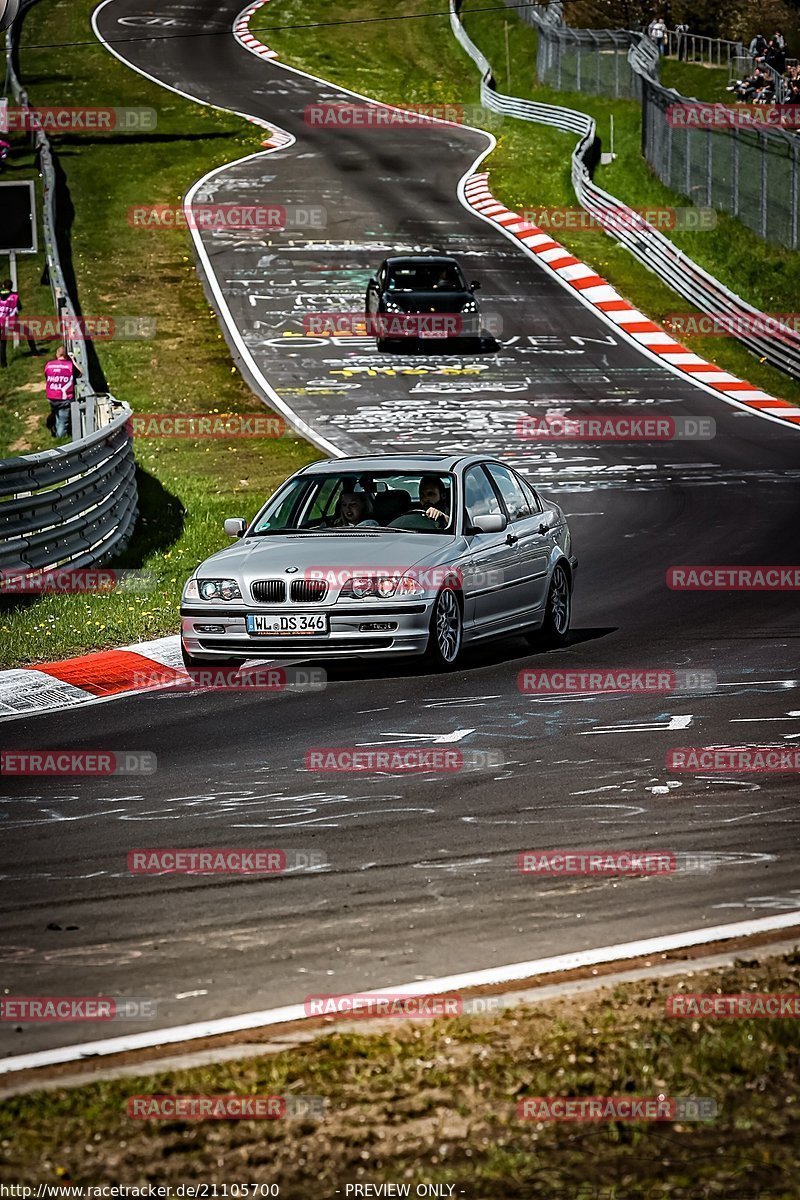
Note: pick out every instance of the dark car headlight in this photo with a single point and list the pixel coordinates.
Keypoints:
(470, 306)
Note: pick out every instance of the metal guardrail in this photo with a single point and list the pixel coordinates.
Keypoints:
(697, 48)
(644, 241)
(75, 504)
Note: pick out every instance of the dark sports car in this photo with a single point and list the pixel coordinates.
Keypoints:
(421, 296)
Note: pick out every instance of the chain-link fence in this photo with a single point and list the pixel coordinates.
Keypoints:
(704, 151)
(753, 174)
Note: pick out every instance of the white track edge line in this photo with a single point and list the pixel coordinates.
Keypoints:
(296, 421)
(468, 979)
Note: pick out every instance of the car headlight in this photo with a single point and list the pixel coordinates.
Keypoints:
(393, 306)
(469, 306)
(190, 591)
(381, 586)
(218, 589)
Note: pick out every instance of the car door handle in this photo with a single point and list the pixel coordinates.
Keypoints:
(512, 539)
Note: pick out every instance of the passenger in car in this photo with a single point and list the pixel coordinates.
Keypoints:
(354, 508)
(433, 499)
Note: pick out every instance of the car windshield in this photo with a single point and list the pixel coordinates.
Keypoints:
(369, 502)
(425, 277)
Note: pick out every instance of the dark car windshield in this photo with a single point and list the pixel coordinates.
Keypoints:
(374, 502)
(425, 277)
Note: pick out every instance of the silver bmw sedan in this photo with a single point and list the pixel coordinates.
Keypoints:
(384, 555)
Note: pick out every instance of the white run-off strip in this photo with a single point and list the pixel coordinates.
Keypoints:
(424, 987)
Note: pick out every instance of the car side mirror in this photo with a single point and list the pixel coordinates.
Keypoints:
(490, 523)
(235, 527)
(373, 282)
(475, 285)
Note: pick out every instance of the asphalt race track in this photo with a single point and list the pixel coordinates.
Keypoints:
(421, 874)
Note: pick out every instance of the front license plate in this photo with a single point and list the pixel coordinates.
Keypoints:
(432, 333)
(272, 623)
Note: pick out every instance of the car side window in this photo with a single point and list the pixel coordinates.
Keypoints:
(532, 494)
(479, 497)
(514, 498)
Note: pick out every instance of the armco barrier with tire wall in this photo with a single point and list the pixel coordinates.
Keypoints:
(648, 244)
(75, 504)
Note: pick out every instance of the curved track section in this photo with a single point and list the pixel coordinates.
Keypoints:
(421, 872)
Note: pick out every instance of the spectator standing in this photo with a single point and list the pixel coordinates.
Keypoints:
(775, 56)
(758, 47)
(60, 374)
(658, 32)
(681, 30)
(10, 308)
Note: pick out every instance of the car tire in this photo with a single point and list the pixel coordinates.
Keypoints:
(191, 663)
(554, 630)
(446, 635)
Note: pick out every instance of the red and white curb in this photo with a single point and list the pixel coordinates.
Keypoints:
(597, 293)
(241, 31)
(91, 677)
(279, 139)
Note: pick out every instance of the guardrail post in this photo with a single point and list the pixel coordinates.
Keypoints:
(709, 166)
(734, 133)
(794, 185)
(762, 141)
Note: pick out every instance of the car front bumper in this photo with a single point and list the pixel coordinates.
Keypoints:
(216, 631)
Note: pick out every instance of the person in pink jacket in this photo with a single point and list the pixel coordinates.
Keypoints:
(60, 374)
(10, 307)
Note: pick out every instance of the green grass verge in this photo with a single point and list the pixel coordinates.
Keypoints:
(436, 1102)
(692, 79)
(186, 487)
(417, 60)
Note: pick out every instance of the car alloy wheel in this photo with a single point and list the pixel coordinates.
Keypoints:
(555, 627)
(447, 630)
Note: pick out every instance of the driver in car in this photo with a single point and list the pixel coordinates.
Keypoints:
(433, 499)
(354, 508)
